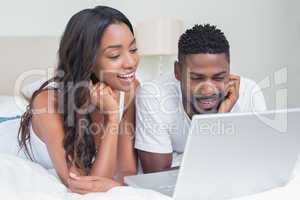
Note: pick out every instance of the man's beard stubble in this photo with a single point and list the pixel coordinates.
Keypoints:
(195, 98)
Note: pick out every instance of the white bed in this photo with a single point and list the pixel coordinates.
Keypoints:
(23, 179)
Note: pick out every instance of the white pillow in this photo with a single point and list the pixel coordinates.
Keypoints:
(11, 106)
(32, 83)
(28, 90)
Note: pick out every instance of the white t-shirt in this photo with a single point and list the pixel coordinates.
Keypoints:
(162, 124)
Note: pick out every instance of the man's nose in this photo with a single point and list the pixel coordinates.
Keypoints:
(207, 88)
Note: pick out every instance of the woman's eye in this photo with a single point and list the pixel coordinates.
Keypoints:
(133, 50)
(114, 57)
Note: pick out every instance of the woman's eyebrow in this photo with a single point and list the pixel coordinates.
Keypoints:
(118, 46)
(132, 42)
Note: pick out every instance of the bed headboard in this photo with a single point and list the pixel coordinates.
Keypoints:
(21, 54)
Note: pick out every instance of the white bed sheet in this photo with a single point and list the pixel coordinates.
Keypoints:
(21, 179)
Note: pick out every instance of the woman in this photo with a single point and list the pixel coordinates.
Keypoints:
(81, 122)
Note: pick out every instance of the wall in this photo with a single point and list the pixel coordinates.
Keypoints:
(264, 34)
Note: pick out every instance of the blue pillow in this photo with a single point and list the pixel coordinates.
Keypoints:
(3, 119)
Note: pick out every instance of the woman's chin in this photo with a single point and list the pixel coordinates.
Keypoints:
(124, 87)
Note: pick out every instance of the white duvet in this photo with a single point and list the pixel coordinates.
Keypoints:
(21, 179)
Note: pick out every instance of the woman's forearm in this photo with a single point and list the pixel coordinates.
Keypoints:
(106, 156)
(127, 160)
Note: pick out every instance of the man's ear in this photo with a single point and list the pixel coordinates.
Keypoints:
(177, 70)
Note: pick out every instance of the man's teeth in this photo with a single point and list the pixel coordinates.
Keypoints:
(126, 75)
(207, 101)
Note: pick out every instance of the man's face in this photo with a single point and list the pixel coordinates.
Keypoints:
(204, 78)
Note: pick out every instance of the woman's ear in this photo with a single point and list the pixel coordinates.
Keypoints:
(177, 70)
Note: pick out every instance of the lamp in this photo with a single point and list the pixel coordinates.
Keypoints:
(158, 37)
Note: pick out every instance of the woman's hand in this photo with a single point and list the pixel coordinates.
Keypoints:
(88, 184)
(104, 98)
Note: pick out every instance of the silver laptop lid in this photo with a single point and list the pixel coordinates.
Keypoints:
(231, 155)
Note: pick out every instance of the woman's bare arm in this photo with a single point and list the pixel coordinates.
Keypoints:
(47, 124)
(106, 156)
(127, 159)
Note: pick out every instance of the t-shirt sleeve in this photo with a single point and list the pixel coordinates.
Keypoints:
(152, 126)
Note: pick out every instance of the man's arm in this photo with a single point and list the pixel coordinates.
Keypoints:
(154, 162)
(152, 139)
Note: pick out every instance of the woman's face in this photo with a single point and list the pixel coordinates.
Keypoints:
(117, 58)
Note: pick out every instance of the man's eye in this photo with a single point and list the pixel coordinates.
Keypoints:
(197, 78)
(219, 78)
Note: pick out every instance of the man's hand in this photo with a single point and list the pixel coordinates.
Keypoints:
(231, 94)
(88, 184)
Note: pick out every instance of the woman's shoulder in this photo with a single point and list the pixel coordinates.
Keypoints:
(44, 110)
(46, 98)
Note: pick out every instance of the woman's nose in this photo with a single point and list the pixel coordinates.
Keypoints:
(130, 61)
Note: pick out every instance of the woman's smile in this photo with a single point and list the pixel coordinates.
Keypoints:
(128, 78)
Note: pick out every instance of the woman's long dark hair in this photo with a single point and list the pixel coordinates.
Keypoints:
(76, 59)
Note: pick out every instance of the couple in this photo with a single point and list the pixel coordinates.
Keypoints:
(83, 122)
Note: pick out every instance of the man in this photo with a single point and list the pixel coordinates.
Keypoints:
(203, 85)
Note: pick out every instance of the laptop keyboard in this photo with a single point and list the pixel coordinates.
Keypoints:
(167, 188)
(163, 182)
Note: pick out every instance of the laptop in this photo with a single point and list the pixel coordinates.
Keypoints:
(231, 155)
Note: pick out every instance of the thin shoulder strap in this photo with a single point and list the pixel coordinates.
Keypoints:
(121, 105)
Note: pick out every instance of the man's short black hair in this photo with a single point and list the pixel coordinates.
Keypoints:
(203, 39)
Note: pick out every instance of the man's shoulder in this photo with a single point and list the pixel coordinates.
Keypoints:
(158, 100)
(160, 87)
(251, 97)
(247, 86)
